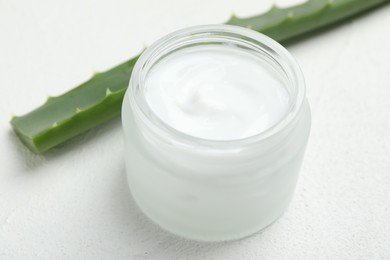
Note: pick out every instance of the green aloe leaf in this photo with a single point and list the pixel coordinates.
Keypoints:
(100, 98)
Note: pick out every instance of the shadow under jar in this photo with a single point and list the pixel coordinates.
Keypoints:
(216, 123)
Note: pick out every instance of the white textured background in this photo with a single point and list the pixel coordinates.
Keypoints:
(73, 203)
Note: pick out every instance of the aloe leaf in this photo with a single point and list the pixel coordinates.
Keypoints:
(284, 24)
(100, 98)
(84, 107)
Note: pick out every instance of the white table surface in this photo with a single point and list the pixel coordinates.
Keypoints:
(74, 203)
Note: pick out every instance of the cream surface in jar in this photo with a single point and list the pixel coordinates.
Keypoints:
(216, 123)
(216, 92)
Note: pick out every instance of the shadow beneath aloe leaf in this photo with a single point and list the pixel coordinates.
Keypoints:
(28, 160)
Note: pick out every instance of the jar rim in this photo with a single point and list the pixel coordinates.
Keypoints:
(140, 105)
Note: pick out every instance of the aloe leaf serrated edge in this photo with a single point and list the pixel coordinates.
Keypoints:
(100, 98)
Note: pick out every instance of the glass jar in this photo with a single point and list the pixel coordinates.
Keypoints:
(206, 189)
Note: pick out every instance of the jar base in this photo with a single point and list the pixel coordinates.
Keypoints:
(211, 239)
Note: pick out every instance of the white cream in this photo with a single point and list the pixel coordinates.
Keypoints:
(216, 92)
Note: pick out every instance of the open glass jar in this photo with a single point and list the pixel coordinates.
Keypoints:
(214, 190)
